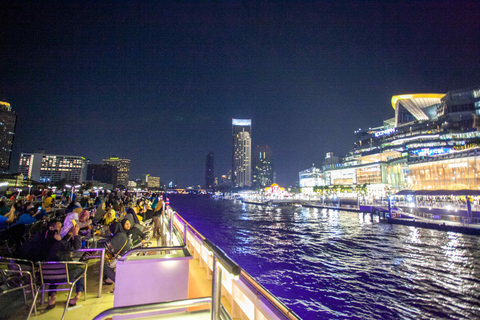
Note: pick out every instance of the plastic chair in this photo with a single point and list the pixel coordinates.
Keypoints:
(14, 278)
(56, 273)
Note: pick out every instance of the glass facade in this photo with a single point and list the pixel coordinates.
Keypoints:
(453, 174)
(8, 120)
(433, 145)
(242, 153)
(123, 166)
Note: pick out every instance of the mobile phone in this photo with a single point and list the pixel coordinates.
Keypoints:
(74, 223)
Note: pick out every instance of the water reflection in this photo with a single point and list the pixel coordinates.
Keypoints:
(331, 264)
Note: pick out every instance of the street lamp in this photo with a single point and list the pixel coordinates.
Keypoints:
(29, 187)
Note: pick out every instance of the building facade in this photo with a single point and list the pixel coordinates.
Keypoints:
(209, 171)
(242, 153)
(123, 166)
(105, 173)
(8, 121)
(262, 173)
(51, 168)
(433, 142)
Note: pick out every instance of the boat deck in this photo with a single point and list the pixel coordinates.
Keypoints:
(13, 307)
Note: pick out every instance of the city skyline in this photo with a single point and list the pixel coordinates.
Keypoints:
(158, 83)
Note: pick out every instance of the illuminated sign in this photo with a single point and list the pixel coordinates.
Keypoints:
(372, 169)
(242, 122)
(384, 132)
(458, 165)
(431, 152)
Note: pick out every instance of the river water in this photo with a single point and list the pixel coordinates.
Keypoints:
(326, 264)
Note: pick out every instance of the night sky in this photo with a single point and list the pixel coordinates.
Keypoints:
(159, 83)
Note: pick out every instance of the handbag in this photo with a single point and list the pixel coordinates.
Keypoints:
(110, 258)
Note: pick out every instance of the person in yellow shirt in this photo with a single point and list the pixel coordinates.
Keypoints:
(109, 216)
(48, 200)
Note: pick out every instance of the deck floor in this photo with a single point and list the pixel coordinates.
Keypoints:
(13, 307)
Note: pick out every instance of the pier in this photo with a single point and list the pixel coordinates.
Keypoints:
(440, 216)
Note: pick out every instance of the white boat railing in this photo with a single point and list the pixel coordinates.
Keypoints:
(248, 298)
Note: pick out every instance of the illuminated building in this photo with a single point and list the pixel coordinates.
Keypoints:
(105, 173)
(432, 143)
(51, 168)
(262, 173)
(151, 182)
(8, 120)
(123, 166)
(209, 172)
(330, 160)
(241, 154)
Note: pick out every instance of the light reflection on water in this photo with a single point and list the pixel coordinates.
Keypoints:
(330, 264)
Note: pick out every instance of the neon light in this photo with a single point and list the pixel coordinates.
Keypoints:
(385, 132)
(458, 165)
(242, 122)
(416, 95)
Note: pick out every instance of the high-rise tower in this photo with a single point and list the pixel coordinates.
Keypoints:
(209, 174)
(242, 152)
(8, 120)
(262, 167)
(123, 166)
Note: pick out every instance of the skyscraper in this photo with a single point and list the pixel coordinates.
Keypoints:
(242, 152)
(209, 174)
(8, 120)
(262, 167)
(123, 166)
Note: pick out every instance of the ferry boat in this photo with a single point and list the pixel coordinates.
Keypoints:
(185, 276)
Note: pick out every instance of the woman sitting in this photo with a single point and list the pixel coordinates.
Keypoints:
(119, 244)
(137, 236)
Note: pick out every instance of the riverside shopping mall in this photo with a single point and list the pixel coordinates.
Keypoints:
(432, 143)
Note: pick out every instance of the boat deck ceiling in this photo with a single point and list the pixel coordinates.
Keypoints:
(199, 286)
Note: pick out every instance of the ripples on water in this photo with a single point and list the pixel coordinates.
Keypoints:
(327, 264)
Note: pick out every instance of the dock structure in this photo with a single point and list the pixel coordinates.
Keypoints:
(419, 216)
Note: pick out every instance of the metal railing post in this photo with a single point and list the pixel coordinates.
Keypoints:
(162, 226)
(185, 228)
(171, 226)
(216, 290)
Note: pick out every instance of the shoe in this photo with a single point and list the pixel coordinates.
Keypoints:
(72, 304)
(105, 283)
(50, 307)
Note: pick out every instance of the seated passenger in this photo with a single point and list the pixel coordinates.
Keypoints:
(73, 215)
(4, 209)
(7, 219)
(60, 251)
(134, 233)
(109, 217)
(25, 218)
(119, 244)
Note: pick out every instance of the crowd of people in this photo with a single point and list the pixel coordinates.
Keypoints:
(40, 227)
